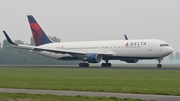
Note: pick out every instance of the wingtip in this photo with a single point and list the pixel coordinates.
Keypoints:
(8, 38)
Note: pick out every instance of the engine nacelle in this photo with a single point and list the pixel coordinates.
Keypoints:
(131, 60)
(94, 58)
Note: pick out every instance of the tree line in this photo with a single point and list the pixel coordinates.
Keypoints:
(174, 57)
(14, 56)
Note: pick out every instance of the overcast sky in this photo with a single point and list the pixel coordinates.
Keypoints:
(81, 20)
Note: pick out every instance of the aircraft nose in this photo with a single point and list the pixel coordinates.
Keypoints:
(170, 50)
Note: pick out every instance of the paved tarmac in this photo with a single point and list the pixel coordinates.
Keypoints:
(83, 93)
(121, 67)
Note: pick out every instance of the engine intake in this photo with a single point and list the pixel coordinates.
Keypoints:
(94, 58)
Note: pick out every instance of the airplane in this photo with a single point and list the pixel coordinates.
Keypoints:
(130, 51)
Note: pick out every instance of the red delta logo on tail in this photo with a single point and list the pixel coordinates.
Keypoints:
(39, 35)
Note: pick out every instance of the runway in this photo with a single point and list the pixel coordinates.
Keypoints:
(121, 67)
(83, 93)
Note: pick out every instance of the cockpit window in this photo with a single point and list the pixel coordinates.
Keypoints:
(166, 45)
(162, 45)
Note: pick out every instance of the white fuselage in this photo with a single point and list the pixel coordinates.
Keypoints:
(140, 49)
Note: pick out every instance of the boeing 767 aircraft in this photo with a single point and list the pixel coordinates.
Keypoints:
(130, 51)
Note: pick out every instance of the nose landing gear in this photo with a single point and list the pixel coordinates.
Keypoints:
(159, 63)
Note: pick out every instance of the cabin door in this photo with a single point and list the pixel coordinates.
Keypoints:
(150, 47)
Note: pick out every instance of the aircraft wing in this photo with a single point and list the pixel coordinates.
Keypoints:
(60, 51)
(71, 52)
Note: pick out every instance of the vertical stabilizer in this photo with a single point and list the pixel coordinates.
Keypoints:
(39, 35)
(125, 36)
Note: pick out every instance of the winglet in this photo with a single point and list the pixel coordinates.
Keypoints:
(8, 39)
(125, 36)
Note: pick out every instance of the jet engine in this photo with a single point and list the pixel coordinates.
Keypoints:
(94, 58)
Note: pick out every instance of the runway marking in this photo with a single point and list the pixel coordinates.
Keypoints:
(83, 93)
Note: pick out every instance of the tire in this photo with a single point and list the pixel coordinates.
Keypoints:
(103, 65)
(109, 64)
(159, 65)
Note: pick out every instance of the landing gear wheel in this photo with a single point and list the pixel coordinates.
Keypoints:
(83, 64)
(109, 65)
(87, 64)
(106, 65)
(103, 65)
(159, 65)
(80, 64)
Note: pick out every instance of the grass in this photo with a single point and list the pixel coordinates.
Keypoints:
(41, 97)
(162, 82)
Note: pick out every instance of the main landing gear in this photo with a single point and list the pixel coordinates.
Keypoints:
(84, 64)
(102, 65)
(106, 64)
(159, 63)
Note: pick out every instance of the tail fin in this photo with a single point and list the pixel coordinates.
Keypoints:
(39, 35)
